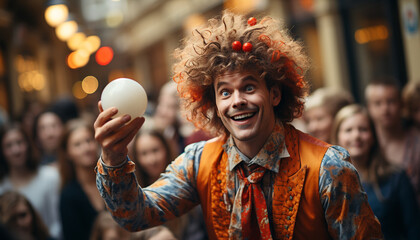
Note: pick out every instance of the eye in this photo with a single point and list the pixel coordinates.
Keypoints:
(364, 129)
(224, 93)
(249, 88)
(155, 150)
(347, 129)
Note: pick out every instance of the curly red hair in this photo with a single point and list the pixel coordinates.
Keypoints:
(208, 52)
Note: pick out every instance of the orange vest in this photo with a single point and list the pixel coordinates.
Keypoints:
(297, 210)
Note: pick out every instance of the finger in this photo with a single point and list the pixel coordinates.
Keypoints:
(119, 139)
(132, 132)
(105, 127)
(105, 116)
(101, 109)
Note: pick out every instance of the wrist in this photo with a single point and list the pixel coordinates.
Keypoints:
(112, 163)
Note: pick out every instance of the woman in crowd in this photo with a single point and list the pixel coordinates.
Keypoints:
(20, 218)
(152, 154)
(105, 228)
(48, 131)
(389, 191)
(167, 117)
(80, 201)
(320, 109)
(20, 171)
(411, 101)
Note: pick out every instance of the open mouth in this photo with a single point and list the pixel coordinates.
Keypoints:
(242, 117)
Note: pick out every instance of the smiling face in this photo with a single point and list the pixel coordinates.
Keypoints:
(355, 134)
(15, 148)
(50, 131)
(151, 155)
(246, 108)
(82, 148)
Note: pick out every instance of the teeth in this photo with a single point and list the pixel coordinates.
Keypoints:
(242, 116)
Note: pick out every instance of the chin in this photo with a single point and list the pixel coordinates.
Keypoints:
(245, 136)
(355, 154)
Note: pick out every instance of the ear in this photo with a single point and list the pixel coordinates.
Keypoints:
(275, 95)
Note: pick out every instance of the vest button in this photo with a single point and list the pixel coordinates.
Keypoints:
(287, 236)
(288, 217)
(289, 188)
(291, 197)
(290, 208)
(286, 226)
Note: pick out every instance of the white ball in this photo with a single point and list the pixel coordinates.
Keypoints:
(127, 95)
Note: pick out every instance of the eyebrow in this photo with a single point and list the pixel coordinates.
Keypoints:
(246, 78)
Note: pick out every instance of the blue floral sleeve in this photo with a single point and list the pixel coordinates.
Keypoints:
(137, 208)
(346, 208)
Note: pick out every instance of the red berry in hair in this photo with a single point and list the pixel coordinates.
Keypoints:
(236, 45)
(252, 21)
(247, 47)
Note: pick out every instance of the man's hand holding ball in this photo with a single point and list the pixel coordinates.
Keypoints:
(123, 103)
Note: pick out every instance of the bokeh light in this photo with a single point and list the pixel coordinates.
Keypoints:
(369, 34)
(66, 29)
(31, 80)
(76, 41)
(78, 90)
(78, 59)
(56, 14)
(90, 84)
(104, 55)
(91, 44)
(38, 81)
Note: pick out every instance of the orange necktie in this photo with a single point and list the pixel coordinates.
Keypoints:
(254, 215)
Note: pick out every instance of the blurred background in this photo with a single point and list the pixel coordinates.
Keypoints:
(57, 49)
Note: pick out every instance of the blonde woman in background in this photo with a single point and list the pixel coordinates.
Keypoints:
(389, 191)
(80, 201)
(320, 109)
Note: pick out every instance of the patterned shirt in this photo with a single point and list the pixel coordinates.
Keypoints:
(175, 192)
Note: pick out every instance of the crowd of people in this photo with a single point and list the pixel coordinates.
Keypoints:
(383, 140)
(50, 173)
(47, 178)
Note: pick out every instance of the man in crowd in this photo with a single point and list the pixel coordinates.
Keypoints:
(261, 179)
(401, 147)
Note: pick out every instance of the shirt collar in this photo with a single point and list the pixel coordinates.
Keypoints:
(268, 157)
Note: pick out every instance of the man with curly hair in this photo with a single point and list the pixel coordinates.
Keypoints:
(261, 178)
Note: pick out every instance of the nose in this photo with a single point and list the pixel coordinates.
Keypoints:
(356, 134)
(238, 100)
(16, 148)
